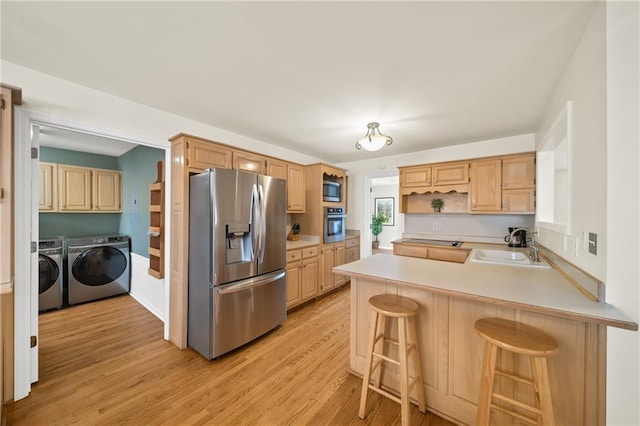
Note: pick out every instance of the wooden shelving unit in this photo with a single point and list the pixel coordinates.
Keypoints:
(156, 225)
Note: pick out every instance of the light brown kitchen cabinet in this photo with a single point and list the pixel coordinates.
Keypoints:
(518, 171)
(276, 168)
(425, 251)
(518, 183)
(352, 248)
(485, 188)
(106, 190)
(518, 200)
(415, 176)
(331, 255)
(84, 189)
(249, 162)
(450, 174)
(296, 202)
(74, 185)
(48, 191)
(420, 251)
(203, 155)
(294, 277)
(310, 272)
(302, 275)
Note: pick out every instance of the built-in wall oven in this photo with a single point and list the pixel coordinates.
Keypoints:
(334, 225)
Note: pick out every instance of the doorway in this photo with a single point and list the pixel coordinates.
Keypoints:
(381, 195)
(27, 228)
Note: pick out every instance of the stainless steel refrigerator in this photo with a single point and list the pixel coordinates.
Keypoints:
(237, 258)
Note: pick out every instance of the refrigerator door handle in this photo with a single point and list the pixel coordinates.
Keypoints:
(263, 224)
(255, 222)
(251, 283)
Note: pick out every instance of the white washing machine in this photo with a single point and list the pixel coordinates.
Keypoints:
(98, 267)
(50, 274)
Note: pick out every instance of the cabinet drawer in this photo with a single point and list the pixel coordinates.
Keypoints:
(351, 255)
(294, 255)
(448, 255)
(309, 252)
(411, 251)
(352, 242)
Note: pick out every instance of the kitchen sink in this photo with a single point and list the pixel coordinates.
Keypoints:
(509, 258)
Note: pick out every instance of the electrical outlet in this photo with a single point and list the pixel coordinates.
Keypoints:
(435, 226)
(593, 243)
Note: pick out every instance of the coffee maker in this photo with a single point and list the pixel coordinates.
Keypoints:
(519, 238)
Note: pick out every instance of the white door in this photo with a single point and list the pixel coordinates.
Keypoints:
(35, 231)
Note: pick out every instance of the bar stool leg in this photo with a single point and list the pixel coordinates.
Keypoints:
(379, 348)
(404, 372)
(417, 365)
(367, 367)
(486, 384)
(544, 387)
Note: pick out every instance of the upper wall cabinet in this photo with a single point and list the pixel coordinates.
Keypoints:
(83, 189)
(444, 177)
(276, 168)
(204, 155)
(493, 185)
(295, 189)
(48, 181)
(486, 186)
(249, 162)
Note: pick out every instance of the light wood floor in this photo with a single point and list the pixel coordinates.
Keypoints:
(106, 363)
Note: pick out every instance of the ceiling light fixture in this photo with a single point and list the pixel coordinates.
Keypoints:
(373, 141)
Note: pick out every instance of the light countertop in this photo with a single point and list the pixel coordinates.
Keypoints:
(304, 241)
(538, 290)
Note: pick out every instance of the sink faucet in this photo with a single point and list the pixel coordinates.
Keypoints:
(533, 254)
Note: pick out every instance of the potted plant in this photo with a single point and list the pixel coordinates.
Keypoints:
(376, 227)
(437, 204)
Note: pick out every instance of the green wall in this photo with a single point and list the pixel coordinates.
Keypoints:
(139, 169)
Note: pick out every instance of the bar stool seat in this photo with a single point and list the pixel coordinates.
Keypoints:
(404, 310)
(521, 339)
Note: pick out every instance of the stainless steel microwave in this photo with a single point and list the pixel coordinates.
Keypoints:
(331, 191)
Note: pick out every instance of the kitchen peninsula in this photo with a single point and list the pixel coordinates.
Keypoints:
(452, 296)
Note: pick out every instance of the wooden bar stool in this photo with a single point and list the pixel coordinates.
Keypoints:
(405, 310)
(521, 339)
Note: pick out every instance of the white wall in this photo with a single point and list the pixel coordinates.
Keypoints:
(389, 233)
(147, 290)
(623, 211)
(71, 103)
(602, 81)
(583, 83)
(360, 171)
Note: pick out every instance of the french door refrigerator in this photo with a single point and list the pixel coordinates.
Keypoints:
(237, 257)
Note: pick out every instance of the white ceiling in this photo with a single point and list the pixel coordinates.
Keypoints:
(309, 76)
(83, 142)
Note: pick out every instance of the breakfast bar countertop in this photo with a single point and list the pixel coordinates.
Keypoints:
(537, 290)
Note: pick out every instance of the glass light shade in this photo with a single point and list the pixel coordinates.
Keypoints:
(373, 143)
(373, 140)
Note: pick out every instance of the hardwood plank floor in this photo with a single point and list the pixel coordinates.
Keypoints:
(106, 363)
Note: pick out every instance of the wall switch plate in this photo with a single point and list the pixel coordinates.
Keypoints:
(435, 226)
(593, 243)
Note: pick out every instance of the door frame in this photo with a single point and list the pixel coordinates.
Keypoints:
(367, 202)
(25, 265)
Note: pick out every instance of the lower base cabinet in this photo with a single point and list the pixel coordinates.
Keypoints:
(303, 267)
(332, 255)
